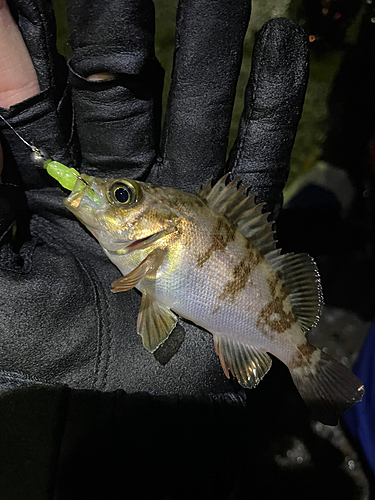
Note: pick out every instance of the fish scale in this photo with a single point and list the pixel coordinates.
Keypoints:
(212, 259)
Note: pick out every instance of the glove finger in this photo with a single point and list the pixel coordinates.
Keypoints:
(209, 39)
(36, 119)
(117, 119)
(273, 105)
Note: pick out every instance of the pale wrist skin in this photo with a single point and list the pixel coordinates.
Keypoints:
(18, 79)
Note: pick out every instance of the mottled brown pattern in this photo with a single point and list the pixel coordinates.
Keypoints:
(185, 204)
(303, 355)
(185, 230)
(284, 320)
(241, 274)
(155, 216)
(189, 204)
(221, 235)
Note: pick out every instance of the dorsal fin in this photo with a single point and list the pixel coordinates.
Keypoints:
(301, 280)
(241, 210)
(225, 198)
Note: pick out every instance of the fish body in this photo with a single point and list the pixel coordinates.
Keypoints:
(212, 259)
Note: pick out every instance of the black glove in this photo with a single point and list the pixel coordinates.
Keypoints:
(68, 327)
(59, 321)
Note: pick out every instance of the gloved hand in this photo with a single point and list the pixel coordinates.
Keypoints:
(65, 326)
(59, 323)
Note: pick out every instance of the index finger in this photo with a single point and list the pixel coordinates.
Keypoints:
(117, 117)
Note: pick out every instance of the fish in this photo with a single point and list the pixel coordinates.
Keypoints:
(212, 258)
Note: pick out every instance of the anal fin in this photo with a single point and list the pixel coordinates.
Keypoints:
(247, 363)
(155, 322)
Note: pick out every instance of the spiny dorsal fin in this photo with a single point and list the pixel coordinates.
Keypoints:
(301, 280)
(241, 210)
(223, 198)
(247, 363)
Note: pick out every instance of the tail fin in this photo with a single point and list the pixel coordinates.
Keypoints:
(328, 388)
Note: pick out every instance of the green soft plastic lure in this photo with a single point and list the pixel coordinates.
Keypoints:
(68, 177)
(64, 175)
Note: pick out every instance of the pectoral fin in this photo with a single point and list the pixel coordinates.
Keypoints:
(148, 266)
(247, 363)
(155, 322)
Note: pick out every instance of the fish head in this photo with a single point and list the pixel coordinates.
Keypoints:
(120, 213)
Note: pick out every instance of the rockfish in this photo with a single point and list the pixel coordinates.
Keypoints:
(212, 259)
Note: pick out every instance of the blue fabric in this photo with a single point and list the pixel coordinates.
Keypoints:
(360, 419)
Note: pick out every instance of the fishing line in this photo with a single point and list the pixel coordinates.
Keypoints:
(33, 148)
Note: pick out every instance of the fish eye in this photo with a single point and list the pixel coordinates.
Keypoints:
(124, 192)
(122, 195)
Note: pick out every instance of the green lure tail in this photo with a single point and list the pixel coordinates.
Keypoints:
(64, 175)
(67, 178)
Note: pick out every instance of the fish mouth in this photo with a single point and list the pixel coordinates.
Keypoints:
(87, 215)
(145, 242)
(126, 248)
(84, 202)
